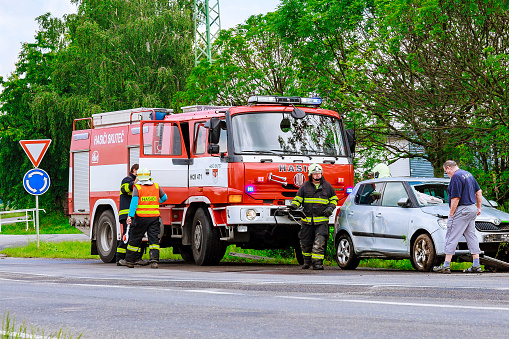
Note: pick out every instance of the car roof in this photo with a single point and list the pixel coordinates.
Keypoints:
(407, 179)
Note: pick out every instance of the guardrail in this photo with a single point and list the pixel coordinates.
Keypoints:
(26, 218)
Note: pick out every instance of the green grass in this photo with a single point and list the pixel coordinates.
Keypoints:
(52, 223)
(10, 330)
(81, 250)
(58, 224)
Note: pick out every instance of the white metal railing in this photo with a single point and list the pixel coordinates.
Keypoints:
(26, 218)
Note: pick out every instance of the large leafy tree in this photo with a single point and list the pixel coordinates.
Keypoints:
(429, 75)
(112, 54)
(252, 59)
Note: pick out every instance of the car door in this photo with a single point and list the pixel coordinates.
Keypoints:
(391, 225)
(361, 215)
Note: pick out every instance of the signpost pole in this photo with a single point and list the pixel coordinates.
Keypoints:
(37, 218)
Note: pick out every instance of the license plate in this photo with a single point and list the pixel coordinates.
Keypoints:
(496, 238)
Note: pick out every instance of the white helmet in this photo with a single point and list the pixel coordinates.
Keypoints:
(144, 176)
(314, 168)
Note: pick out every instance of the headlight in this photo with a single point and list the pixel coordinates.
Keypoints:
(250, 214)
(442, 223)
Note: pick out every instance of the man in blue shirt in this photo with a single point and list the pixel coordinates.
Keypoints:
(464, 206)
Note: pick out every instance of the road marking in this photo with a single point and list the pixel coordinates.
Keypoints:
(212, 292)
(16, 334)
(485, 308)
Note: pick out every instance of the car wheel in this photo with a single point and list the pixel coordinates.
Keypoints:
(107, 237)
(345, 254)
(424, 255)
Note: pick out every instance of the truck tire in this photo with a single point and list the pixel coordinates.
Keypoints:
(207, 247)
(186, 252)
(106, 237)
(424, 255)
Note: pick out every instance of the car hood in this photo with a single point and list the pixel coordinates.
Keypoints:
(488, 214)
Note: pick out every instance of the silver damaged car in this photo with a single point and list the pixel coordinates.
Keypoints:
(406, 218)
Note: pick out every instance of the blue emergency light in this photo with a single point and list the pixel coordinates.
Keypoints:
(273, 99)
(249, 189)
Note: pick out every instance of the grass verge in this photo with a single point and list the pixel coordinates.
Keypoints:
(11, 330)
(81, 250)
(53, 223)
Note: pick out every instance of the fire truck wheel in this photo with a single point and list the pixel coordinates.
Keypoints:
(207, 247)
(106, 237)
(186, 252)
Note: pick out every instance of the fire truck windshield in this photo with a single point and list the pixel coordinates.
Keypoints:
(279, 133)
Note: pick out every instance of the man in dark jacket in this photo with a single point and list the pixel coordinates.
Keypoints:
(318, 200)
(126, 192)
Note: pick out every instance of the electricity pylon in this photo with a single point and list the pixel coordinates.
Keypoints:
(207, 25)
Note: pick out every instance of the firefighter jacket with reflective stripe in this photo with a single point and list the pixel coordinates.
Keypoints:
(126, 192)
(148, 203)
(314, 201)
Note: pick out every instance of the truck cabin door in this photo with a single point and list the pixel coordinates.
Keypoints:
(164, 153)
(207, 170)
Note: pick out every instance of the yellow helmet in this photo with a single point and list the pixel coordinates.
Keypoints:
(314, 168)
(143, 174)
(381, 171)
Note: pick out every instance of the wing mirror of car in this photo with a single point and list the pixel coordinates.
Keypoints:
(404, 202)
(493, 203)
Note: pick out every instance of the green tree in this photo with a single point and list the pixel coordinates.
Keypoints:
(252, 60)
(112, 54)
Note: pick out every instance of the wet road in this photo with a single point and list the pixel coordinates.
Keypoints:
(250, 300)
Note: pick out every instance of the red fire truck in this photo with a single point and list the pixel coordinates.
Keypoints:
(228, 172)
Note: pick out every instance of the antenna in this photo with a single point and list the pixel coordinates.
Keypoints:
(207, 25)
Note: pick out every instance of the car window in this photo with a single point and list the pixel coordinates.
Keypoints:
(393, 192)
(430, 193)
(369, 194)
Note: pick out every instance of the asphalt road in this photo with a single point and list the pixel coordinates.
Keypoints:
(250, 300)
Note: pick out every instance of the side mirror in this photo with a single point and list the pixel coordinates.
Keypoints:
(214, 130)
(350, 135)
(297, 113)
(213, 149)
(493, 203)
(404, 202)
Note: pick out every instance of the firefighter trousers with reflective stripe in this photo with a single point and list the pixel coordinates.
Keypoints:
(313, 241)
(122, 245)
(151, 226)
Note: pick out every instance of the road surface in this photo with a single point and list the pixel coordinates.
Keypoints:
(250, 300)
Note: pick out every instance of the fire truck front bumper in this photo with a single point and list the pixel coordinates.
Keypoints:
(266, 214)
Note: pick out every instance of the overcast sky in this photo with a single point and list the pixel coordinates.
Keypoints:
(18, 25)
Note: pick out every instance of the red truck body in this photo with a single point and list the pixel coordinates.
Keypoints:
(228, 173)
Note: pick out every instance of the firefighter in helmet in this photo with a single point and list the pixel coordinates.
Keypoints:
(147, 195)
(126, 192)
(380, 171)
(318, 200)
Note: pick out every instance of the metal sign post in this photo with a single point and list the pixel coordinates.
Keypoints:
(36, 181)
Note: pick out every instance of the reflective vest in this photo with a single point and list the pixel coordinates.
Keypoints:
(148, 203)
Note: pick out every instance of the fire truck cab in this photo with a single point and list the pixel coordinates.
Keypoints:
(228, 172)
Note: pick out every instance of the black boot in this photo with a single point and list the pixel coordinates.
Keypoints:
(307, 263)
(318, 264)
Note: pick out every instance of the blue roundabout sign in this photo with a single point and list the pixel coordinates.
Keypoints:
(36, 181)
